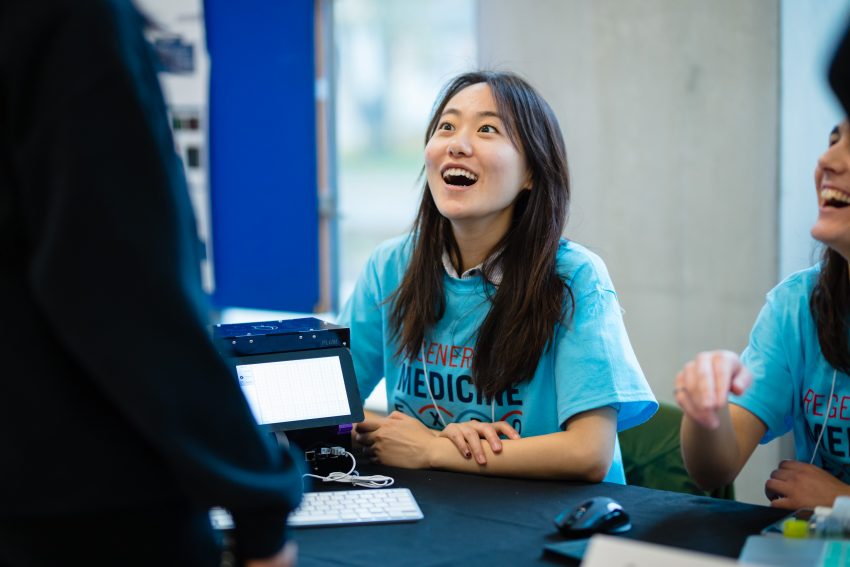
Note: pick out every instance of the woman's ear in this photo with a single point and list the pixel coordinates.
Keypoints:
(528, 183)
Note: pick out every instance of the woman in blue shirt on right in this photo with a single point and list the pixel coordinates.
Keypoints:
(793, 375)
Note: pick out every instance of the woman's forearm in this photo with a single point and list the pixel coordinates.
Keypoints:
(583, 451)
(711, 455)
(556, 455)
(714, 457)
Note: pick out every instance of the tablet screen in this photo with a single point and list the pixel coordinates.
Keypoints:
(300, 389)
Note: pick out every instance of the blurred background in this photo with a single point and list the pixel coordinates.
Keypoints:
(692, 132)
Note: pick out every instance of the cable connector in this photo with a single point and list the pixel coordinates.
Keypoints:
(324, 453)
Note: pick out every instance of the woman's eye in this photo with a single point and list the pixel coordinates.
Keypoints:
(487, 129)
(445, 126)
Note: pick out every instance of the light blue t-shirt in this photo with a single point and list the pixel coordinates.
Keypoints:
(592, 364)
(792, 379)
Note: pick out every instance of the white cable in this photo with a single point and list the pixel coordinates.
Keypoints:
(431, 394)
(428, 384)
(353, 477)
(825, 418)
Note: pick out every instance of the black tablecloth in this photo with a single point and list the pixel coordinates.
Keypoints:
(476, 520)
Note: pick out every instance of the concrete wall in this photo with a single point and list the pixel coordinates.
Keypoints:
(670, 110)
(809, 110)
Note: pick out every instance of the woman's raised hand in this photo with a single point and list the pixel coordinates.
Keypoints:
(703, 385)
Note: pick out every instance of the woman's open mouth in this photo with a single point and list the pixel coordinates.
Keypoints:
(460, 177)
(834, 198)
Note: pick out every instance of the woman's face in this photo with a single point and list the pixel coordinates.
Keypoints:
(832, 182)
(474, 171)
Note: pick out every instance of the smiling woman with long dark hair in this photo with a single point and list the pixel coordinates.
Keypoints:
(793, 374)
(502, 343)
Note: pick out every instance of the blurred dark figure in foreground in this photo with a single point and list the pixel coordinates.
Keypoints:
(119, 424)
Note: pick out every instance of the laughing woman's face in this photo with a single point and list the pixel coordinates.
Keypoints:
(474, 170)
(832, 183)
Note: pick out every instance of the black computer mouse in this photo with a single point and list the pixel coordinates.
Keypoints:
(597, 515)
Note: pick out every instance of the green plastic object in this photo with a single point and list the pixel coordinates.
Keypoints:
(797, 529)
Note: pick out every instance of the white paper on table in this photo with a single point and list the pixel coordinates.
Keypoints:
(608, 551)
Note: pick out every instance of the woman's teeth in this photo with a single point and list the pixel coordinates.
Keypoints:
(458, 176)
(834, 198)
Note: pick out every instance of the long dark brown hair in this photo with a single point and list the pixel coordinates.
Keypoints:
(532, 298)
(830, 307)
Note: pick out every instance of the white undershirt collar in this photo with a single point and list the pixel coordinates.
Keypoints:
(475, 271)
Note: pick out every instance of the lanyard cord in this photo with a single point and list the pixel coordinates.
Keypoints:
(825, 418)
(431, 394)
(428, 384)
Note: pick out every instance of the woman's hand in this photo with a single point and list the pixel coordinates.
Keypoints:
(797, 485)
(371, 423)
(703, 386)
(467, 437)
(397, 441)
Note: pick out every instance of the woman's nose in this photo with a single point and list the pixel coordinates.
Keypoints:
(459, 146)
(835, 157)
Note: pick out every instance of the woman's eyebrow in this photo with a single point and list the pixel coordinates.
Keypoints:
(489, 114)
(482, 114)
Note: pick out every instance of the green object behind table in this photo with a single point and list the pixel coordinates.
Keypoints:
(652, 456)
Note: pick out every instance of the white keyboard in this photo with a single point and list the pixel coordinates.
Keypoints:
(339, 507)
